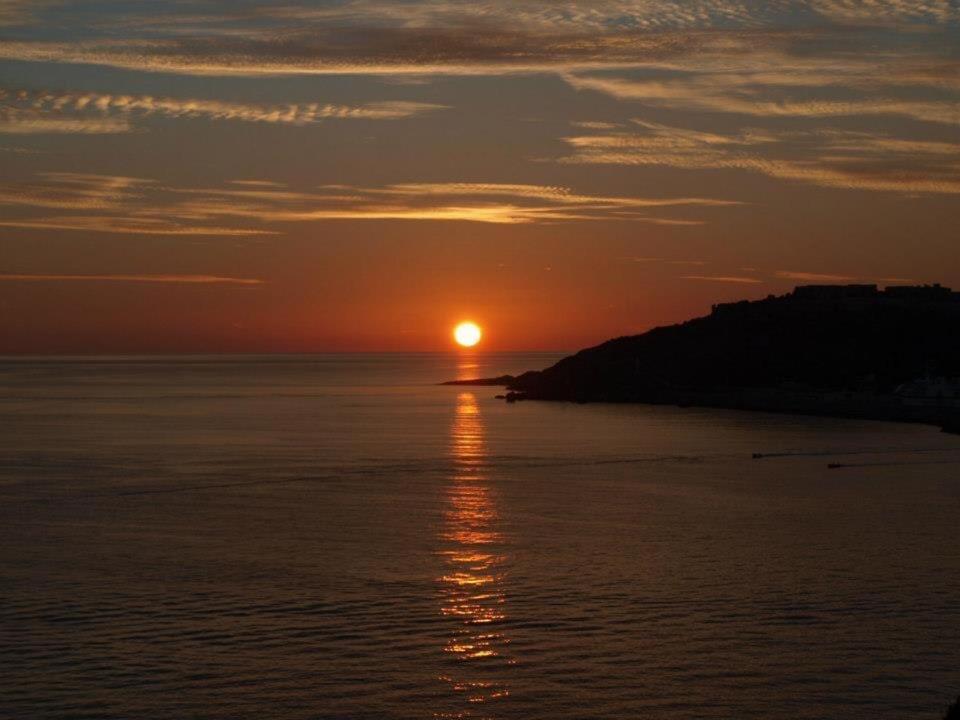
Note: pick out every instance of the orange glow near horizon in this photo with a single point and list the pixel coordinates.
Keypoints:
(467, 334)
(136, 219)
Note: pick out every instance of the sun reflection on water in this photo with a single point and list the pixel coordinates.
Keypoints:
(472, 586)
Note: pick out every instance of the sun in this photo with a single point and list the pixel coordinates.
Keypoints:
(467, 334)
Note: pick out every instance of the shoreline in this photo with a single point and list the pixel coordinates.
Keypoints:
(851, 351)
(838, 404)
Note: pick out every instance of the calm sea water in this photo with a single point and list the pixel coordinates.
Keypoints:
(337, 537)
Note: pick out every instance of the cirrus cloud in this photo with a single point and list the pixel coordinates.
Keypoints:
(33, 112)
(831, 158)
(116, 204)
(160, 279)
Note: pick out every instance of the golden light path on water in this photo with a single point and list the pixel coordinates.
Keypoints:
(472, 587)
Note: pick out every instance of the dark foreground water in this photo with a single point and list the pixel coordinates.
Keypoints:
(335, 537)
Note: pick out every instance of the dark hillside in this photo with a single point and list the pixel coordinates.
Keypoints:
(830, 338)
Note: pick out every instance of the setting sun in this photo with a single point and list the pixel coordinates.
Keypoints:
(467, 334)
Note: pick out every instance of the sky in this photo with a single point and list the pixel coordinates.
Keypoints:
(239, 176)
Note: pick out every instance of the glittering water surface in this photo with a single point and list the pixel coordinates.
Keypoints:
(337, 537)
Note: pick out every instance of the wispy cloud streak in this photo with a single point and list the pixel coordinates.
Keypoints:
(762, 94)
(127, 226)
(814, 277)
(90, 113)
(139, 206)
(162, 279)
(32, 122)
(737, 279)
(468, 202)
(851, 160)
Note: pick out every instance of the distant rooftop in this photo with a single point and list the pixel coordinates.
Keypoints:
(905, 292)
(856, 293)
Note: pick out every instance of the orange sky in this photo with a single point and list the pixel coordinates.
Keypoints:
(361, 175)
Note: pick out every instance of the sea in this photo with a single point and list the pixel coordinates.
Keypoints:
(339, 536)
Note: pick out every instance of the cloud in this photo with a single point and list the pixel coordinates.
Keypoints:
(386, 37)
(470, 202)
(665, 261)
(74, 191)
(257, 183)
(29, 122)
(888, 11)
(115, 204)
(555, 194)
(594, 125)
(543, 16)
(752, 93)
(91, 113)
(121, 205)
(792, 275)
(171, 279)
(127, 226)
(813, 277)
(831, 158)
(724, 279)
(402, 53)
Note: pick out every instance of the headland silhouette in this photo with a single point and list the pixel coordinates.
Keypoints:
(836, 350)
